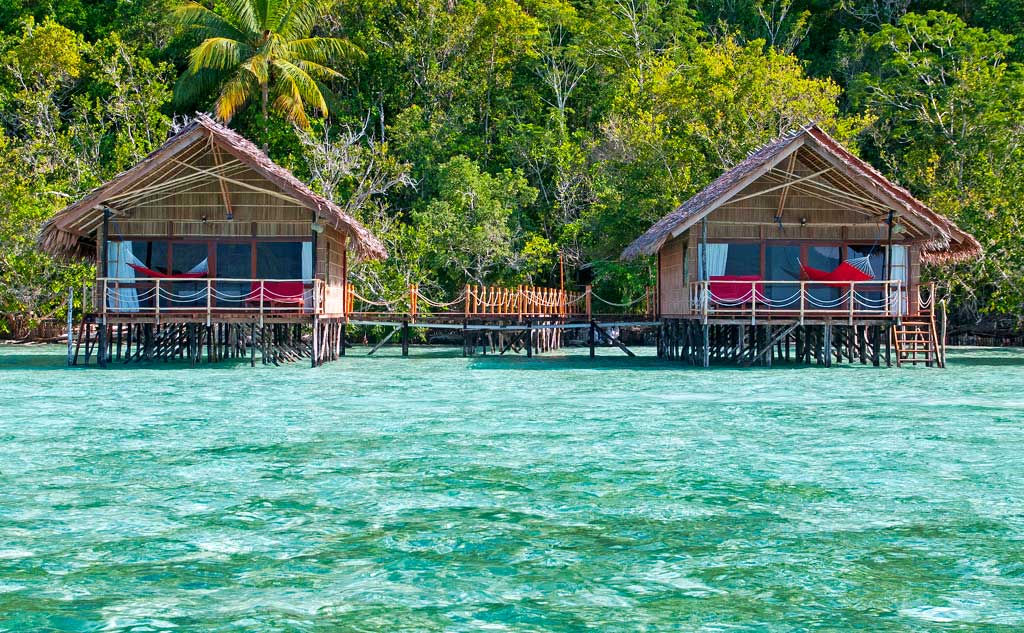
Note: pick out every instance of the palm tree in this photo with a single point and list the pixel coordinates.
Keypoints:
(265, 48)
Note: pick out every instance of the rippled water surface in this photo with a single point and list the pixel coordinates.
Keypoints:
(442, 493)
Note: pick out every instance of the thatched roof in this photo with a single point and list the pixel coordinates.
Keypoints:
(943, 240)
(69, 232)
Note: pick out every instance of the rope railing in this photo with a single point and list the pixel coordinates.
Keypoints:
(159, 296)
(852, 299)
(167, 295)
(627, 304)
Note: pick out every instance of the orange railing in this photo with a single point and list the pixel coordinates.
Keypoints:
(524, 301)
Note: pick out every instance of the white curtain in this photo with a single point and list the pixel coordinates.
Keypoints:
(119, 255)
(307, 262)
(899, 273)
(899, 263)
(717, 254)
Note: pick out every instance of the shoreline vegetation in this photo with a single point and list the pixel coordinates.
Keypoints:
(496, 142)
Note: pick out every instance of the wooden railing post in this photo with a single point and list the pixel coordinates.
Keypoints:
(852, 299)
(209, 297)
(753, 303)
(156, 298)
(803, 298)
(262, 295)
(705, 300)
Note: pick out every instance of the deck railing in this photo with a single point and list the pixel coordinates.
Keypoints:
(223, 296)
(798, 299)
(166, 297)
(524, 301)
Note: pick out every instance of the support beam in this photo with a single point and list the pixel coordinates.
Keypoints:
(614, 340)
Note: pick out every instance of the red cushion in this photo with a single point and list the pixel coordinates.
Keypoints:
(278, 293)
(733, 291)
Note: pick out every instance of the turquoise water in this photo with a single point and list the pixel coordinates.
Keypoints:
(442, 493)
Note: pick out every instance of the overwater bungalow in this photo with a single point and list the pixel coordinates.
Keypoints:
(801, 252)
(207, 243)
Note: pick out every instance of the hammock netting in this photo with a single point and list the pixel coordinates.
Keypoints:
(858, 269)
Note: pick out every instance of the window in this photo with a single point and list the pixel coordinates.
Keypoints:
(868, 298)
(875, 256)
(824, 258)
(152, 255)
(731, 259)
(782, 263)
(189, 257)
(744, 259)
(279, 260)
(234, 261)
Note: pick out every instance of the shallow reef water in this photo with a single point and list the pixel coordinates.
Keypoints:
(557, 493)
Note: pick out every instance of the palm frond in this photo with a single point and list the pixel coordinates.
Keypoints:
(208, 23)
(302, 86)
(245, 14)
(317, 71)
(258, 67)
(234, 95)
(263, 9)
(324, 49)
(192, 87)
(302, 18)
(218, 53)
(289, 104)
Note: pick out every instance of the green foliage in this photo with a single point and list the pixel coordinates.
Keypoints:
(482, 140)
(261, 49)
(694, 114)
(468, 228)
(947, 109)
(75, 114)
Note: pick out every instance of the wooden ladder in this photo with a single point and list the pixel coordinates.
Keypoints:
(916, 341)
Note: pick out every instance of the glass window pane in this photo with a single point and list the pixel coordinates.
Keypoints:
(186, 258)
(744, 259)
(234, 261)
(875, 255)
(869, 298)
(152, 255)
(826, 259)
(279, 260)
(189, 258)
(782, 263)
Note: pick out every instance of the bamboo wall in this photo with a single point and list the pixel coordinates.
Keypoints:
(331, 259)
(200, 210)
(672, 286)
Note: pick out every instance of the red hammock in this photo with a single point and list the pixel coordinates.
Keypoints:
(156, 274)
(844, 272)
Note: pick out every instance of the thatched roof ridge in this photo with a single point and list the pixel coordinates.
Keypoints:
(948, 242)
(57, 239)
